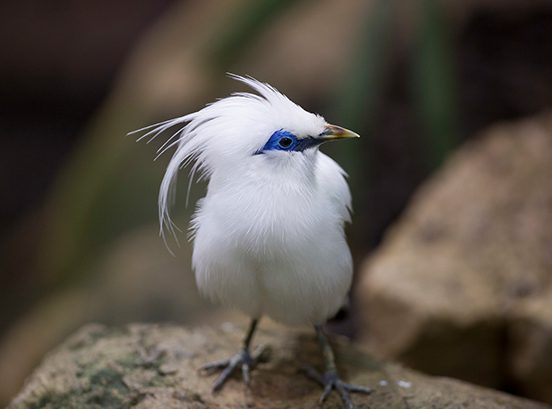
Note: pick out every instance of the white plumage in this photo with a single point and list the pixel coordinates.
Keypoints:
(269, 234)
(269, 238)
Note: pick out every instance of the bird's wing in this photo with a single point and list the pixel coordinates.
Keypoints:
(332, 179)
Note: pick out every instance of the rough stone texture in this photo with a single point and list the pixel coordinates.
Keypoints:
(150, 366)
(530, 333)
(462, 284)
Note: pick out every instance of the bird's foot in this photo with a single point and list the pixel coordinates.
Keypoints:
(330, 380)
(242, 359)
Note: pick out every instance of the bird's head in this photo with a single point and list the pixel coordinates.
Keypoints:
(239, 130)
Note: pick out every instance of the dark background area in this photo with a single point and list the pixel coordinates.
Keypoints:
(57, 63)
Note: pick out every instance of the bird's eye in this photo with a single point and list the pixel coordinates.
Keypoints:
(285, 142)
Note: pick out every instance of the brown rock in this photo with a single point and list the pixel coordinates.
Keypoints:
(155, 366)
(530, 334)
(459, 286)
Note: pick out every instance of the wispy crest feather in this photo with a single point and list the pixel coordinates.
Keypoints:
(216, 132)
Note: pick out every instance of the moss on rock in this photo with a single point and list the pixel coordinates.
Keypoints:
(155, 366)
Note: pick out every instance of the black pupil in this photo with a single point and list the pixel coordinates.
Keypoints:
(285, 142)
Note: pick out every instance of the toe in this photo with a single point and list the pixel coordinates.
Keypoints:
(327, 390)
(214, 366)
(241, 360)
(245, 373)
(223, 377)
(357, 388)
(344, 395)
(261, 354)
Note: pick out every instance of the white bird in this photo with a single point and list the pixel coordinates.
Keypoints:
(269, 234)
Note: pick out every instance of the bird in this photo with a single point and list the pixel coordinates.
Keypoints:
(268, 236)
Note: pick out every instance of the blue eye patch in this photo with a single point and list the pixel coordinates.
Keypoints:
(286, 141)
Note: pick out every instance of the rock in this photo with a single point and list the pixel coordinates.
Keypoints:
(530, 334)
(155, 366)
(461, 285)
(135, 278)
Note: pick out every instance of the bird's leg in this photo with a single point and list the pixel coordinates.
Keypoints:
(243, 359)
(330, 380)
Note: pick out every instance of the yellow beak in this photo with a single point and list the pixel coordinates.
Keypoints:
(332, 132)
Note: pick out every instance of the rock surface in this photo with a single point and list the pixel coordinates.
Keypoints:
(462, 284)
(155, 366)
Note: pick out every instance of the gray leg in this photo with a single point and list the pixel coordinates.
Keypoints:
(330, 380)
(243, 359)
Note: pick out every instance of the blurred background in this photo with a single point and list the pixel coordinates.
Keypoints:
(450, 97)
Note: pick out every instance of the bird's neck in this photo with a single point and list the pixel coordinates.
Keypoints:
(278, 174)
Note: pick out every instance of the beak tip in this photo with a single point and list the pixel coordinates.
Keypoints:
(337, 132)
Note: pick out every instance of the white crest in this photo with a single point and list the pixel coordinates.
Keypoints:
(225, 133)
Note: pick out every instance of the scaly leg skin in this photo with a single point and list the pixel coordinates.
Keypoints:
(243, 359)
(330, 380)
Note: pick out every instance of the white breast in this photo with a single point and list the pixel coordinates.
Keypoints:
(272, 243)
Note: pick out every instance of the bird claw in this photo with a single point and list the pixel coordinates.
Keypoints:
(330, 380)
(242, 359)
